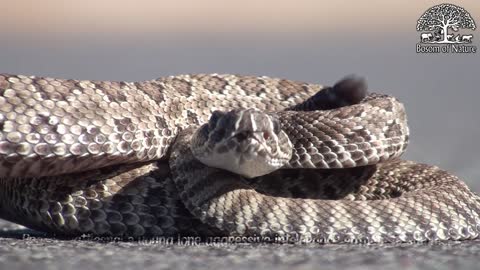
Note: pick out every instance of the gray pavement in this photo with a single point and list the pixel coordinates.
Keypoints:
(24, 249)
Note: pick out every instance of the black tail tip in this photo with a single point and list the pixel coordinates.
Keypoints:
(352, 89)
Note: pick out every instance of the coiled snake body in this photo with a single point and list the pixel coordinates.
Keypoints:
(96, 157)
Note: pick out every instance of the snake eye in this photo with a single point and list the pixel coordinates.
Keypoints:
(266, 135)
(241, 136)
(212, 122)
(220, 133)
(216, 115)
(276, 126)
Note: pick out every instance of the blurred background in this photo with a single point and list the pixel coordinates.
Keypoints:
(308, 40)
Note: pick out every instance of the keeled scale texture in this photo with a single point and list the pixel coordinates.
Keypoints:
(372, 131)
(126, 200)
(52, 126)
(396, 201)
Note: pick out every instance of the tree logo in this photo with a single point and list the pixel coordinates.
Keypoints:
(440, 26)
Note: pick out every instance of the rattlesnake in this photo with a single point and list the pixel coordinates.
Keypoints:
(89, 157)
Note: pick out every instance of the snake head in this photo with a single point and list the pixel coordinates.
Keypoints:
(248, 142)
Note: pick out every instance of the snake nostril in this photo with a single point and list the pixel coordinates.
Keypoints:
(242, 136)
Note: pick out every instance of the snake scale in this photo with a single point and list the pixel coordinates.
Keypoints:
(97, 157)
